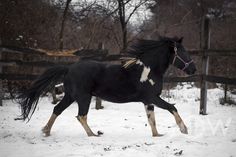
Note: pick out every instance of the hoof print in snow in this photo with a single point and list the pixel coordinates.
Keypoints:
(106, 149)
(167, 147)
(32, 142)
(125, 147)
(234, 140)
(179, 153)
(8, 135)
(149, 144)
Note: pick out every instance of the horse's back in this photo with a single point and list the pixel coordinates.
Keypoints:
(108, 81)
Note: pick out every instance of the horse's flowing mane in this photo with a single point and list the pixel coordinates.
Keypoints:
(141, 45)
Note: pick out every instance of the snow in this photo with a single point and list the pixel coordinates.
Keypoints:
(126, 131)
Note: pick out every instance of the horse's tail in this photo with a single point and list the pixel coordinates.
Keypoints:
(28, 100)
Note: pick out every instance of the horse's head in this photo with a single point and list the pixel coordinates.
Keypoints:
(159, 54)
(180, 57)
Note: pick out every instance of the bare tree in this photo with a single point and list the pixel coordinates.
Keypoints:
(125, 16)
(63, 25)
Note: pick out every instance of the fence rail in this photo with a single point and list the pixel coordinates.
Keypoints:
(193, 78)
(46, 61)
(49, 63)
(213, 52)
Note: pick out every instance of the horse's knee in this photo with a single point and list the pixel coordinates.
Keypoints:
(57, 110)
(150, 107)
(172, 109)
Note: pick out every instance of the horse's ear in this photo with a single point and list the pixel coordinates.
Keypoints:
(180, 40)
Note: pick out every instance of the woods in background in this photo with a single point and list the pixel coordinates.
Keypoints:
(66, 24)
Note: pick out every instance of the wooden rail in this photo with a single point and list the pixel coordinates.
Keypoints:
(46, 61)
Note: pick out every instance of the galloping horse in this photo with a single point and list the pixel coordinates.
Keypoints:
(138, 80)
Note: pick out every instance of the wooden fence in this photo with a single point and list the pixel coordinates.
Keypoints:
(28, 64)
(15, 65)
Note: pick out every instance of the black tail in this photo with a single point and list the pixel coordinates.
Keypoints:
(28, 100)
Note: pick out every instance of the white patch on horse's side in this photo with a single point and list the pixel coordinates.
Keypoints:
(151, 81)
(145, 73)
(139, 62)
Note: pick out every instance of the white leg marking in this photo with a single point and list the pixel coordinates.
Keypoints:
(83, 121)
(180, 123)
(151, 121)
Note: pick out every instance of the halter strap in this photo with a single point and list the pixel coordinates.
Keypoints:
(186, 64)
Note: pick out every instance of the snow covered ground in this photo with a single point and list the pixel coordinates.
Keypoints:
(126, 132)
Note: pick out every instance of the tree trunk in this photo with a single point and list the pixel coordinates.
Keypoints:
(63, 25)
(121, 12)
(99, 100)
(1, 86)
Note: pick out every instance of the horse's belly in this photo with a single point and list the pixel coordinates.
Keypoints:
(117, 96)
(118, 99)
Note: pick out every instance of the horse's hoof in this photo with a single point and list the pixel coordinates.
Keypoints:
(184, 130)
(158, 135)
(45, 131)
(93, 135)
(99, 133)
(46, 134)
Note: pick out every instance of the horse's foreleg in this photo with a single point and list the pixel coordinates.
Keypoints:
(171, 108)
(83, 121)
(180, 123)
(151, 119)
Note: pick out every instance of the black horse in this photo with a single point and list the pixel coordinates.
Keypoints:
(138, 80)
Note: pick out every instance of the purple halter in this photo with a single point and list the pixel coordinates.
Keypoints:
(186, 64)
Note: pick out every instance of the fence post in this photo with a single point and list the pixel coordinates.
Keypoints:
(225, 94)
(205, 44)
(98, 100)
(1, 86)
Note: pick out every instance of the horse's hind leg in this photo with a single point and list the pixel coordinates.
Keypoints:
(151, 119)
(58, 109)
(84, 103)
